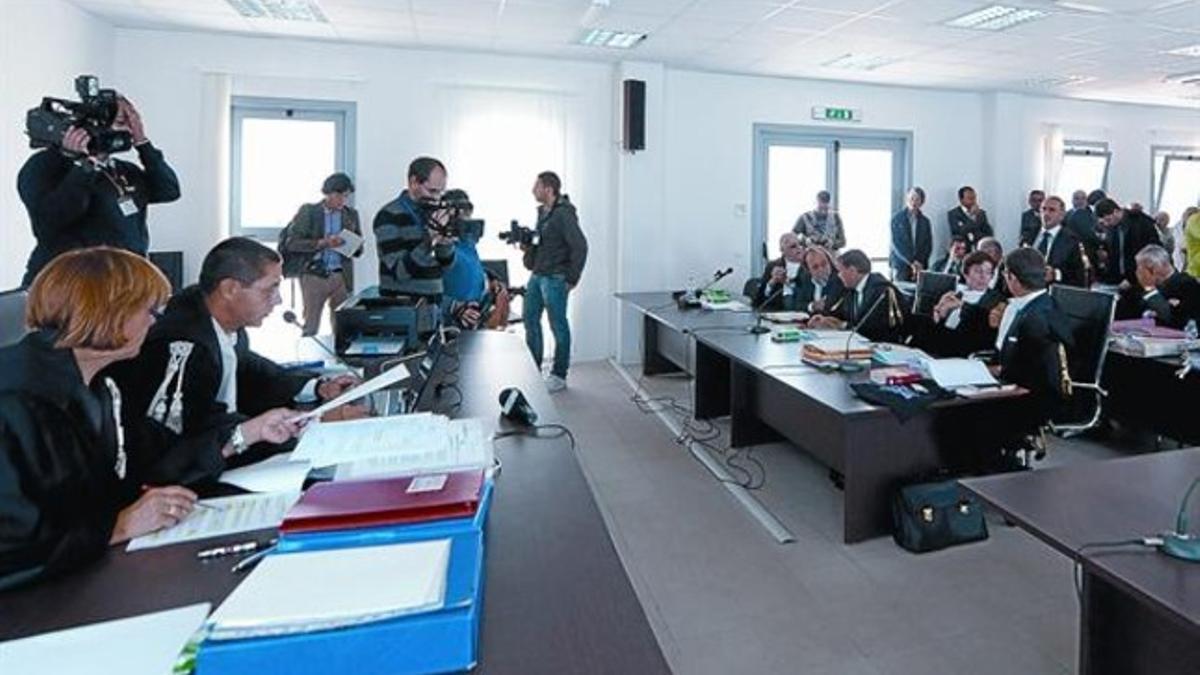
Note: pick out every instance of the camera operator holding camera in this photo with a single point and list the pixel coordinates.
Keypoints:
(556, 257)
(76, 192)
(410, 232)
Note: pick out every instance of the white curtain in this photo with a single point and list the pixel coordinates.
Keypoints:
(1053, 146)
(213, 180)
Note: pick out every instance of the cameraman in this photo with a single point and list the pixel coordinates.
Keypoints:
(76, 199)
(412, 252)
(474, 297)
(556, 261)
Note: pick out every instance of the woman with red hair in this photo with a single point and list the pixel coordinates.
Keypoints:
(64, 495)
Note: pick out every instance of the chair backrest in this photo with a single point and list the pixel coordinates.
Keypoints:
(497, 267)
(12, 316)
(1088, 318)
(750, 288)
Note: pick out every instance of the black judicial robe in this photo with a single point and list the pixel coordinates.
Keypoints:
(185, 448)
(59, 486)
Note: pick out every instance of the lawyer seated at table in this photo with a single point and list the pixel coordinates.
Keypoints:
(65, 491)
(198, 383)
(959, 322)
(781, 280)
(1171, 297)
(819, 286)
(869, 302)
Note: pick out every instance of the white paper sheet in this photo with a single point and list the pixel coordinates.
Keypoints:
(386, 378)
(357, 585)
(350, 243)
(274, 474)
(468, 446)
(242, 513)
(327, 443)
(953, 373)
(141, 645)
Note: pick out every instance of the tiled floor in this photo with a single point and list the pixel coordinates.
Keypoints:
(724, 597)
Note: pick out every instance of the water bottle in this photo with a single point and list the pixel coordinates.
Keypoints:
(1190, 330)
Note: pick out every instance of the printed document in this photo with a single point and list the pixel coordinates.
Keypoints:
(223, 515)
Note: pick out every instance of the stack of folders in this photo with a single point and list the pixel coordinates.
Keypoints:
(413, 546)
(829, 350)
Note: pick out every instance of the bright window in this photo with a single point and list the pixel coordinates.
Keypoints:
(865, 185)
(1176, 180)
(282, 151)
(795, 176)
(1084, 167)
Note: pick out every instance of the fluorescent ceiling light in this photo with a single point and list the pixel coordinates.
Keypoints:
(1054, 81)
(614, 39)
(284, 10)
(860, 61)
(1190, 50)
(996, 17)
(1184, 78)
(1083, 7)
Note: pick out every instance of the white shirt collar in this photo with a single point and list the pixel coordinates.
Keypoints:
(862, 285)
(1053, 232)
(1010, 314)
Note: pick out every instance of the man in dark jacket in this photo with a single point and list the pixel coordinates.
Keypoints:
(781, 279)
(412, 253)
(967, 219)
(869, 303)
(1031, 339)
(1172, 296)
(76, 200)
(1059, 247)
(317, 230)
(819, 285)
(197, 381)
(1031, 218)
(557, 261)
(912, 239)
(1125, 233)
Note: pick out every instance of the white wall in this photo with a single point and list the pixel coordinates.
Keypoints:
(44, 44)
(396, 93)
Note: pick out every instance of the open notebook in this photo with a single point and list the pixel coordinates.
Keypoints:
(321, 590)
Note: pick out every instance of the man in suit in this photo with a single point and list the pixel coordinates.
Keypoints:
(1031, 219)
(819, 286)
(780, 281)
(868, 302)
(317, 230)
(1171, 296)
(912, 239)
(952, 262)
(197, 383)
(1081, 221)
(821, 226)
(1059, 247)
(1125, 233)
(967, 219)
(1031, 340)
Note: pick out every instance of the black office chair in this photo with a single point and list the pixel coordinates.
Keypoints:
(750, 288)
(1089, 316)
(12, 316)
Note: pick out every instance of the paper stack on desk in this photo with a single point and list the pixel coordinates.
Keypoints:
(321, 590)
(833, 348)
(955, 373)
(221, 516)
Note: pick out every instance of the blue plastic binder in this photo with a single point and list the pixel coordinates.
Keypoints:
(441, 641)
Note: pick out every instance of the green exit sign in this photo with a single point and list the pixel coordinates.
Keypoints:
(832, 114)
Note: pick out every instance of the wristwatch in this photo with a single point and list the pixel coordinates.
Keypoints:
(238, 440)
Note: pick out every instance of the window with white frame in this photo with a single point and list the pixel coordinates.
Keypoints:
(1175, 181)
(282, 151)
(1084, 167)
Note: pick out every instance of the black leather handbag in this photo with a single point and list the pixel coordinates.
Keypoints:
(933, 516)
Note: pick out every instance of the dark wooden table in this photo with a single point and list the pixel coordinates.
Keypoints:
(1140, 609)
(1145, 394)
(557, 599)
(666, 329)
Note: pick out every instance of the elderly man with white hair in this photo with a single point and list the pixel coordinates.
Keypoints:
(1171, 297)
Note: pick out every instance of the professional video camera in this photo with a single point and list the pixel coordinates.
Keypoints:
(519, 236)
(94, 112)
(454, 224)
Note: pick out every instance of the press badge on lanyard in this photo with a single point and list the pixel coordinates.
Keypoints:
(127, 205)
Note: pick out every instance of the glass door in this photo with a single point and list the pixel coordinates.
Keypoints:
(795, 174)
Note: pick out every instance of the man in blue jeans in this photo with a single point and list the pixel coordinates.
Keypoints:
(556, 260)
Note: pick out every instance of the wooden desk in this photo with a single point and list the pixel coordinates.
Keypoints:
(557, 599)
(666, 330)
(1146, 394)
(1140, 610)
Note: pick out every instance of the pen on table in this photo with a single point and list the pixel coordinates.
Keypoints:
(234, 549)
(251, 560)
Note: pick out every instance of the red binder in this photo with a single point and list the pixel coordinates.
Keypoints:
(385, 501)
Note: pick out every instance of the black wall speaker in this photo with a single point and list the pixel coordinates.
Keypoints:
(171, 265)
(635, 115)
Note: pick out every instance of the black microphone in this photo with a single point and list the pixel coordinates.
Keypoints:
(758, 328)
(290, 317)
(717, 276)
(514, 406)
(861, 321)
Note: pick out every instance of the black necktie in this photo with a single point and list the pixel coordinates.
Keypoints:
(1121, 250)
(1043, 246)
(852, 308)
